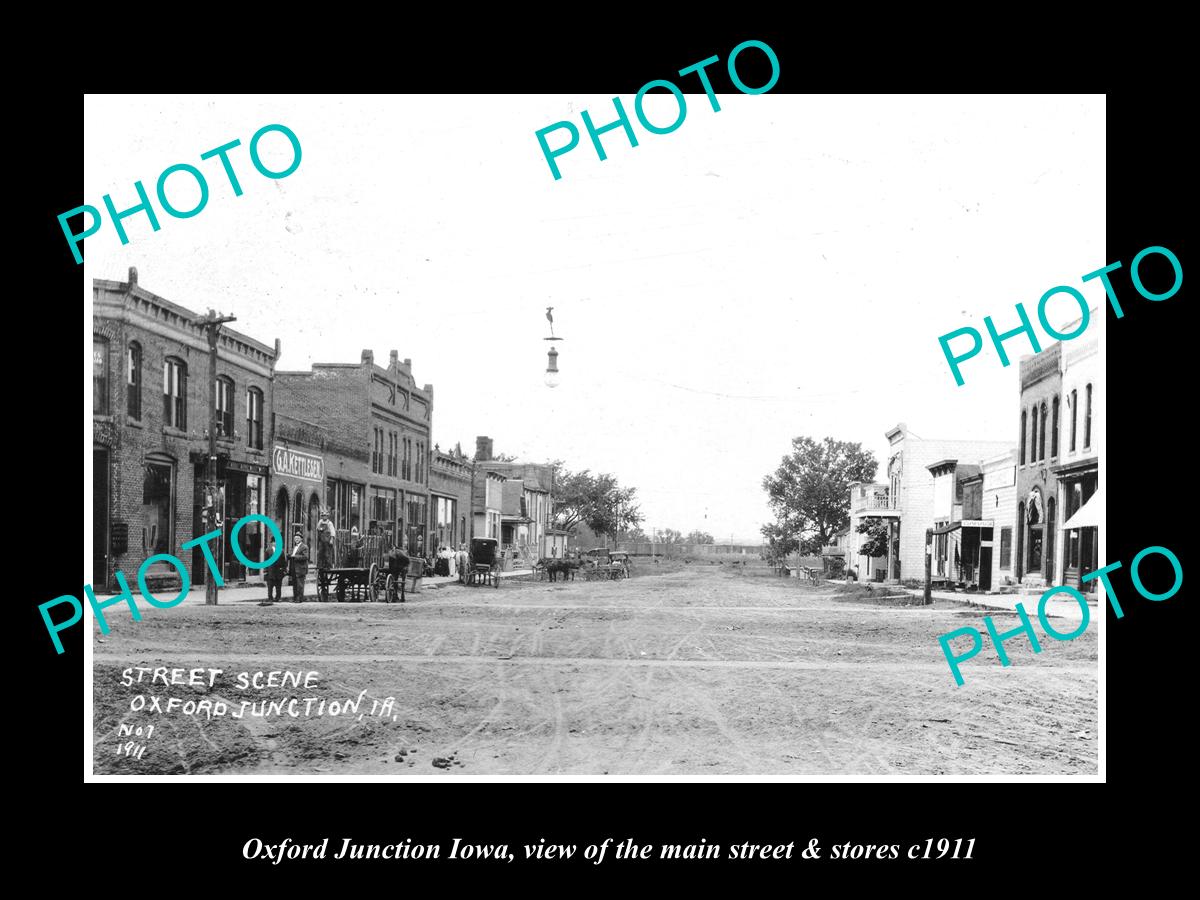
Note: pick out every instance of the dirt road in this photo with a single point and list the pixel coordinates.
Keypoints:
(693, 671)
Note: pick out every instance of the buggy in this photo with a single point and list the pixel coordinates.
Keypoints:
(484, 565)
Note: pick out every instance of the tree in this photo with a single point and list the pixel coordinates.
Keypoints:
(810, 491)
(876, 530)
(670, 536)
(699, 537)
(597, 501)
(779, 543)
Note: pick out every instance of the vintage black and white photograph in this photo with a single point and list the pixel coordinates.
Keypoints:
(450, 437)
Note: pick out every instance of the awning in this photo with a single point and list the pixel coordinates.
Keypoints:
(1087, 516)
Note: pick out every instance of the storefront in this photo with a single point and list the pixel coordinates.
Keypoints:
(444, 522)
(240, 492)
(345, 500)
(1082, 511)
(297, 483)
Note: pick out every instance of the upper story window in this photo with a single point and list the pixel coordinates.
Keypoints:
(1033, 431)
(175, 393)
(1087, 417)
(377, 450)
(1042, 433)
(1074, 417)
(1024, 422)
(254, 418)
(133, 380)
(99, 376)
(224, 407)
(1054, 428)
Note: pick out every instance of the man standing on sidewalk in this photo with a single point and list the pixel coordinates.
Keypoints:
(298, 559)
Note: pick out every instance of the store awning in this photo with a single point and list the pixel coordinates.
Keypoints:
(1087, 516)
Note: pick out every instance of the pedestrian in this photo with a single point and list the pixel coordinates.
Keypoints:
(325, 536)
(298, 561)
(275, 572)
(461, 562)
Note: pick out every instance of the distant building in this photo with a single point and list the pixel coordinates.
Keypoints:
(905, 503)
(450, 478)
(1038, 451)
(526, 504)
(1078, 469)
(151, 398)
(1000, 505)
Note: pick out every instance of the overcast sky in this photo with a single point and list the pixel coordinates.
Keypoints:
(783, 267)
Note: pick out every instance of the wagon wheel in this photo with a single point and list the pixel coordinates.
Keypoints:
(389, 590)
(371, 588)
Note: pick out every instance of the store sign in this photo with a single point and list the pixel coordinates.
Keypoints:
(977, 523)
(297, 465)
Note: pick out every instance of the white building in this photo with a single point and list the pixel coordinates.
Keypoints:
(1081, 509)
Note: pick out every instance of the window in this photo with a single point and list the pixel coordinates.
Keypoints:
(133, 380)
(406, 465)
(1042, 434)
(175, 393)
(420, 461)
(1054, 428)
(254, 418)
(1087, 417)
(99, 377)
(1033, 423)
(1074, 417)
(392, 465)
(377, 451)
(1024, 420)
(157, 519)
(224, 408)
(1006, 548)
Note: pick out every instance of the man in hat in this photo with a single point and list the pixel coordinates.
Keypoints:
(325, 535)
(298, 561)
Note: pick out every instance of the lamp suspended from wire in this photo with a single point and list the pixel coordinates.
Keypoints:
(552, 377)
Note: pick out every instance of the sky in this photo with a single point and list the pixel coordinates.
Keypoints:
(782, 267)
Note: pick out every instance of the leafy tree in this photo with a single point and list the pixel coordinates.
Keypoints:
(779, 543)
(670, 536)
(876, 530)
(810, 491)
(597, 501)
(699, 537)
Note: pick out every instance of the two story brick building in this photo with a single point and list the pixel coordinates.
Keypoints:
(382, 422)
(151, 384)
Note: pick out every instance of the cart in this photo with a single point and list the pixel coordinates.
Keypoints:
(484, 565)
(604, 564)
(360, 571)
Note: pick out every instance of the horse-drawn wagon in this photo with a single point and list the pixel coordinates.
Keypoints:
(363, 567)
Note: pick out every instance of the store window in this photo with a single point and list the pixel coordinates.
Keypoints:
(157, 508)
(254, 418)
(224, 408)
(175, 393)
(133, 380)
(99, 377)
(1006, 548)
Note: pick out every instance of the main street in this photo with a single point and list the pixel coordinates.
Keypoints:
(681, 670)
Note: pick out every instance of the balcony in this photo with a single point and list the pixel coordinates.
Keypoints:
(872, 500)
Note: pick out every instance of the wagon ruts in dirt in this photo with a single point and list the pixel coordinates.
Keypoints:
(484, 567)
(365, 568)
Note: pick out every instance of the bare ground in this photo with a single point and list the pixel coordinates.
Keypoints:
(689, 670)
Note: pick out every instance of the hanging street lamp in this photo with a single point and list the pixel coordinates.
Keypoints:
(552, 377)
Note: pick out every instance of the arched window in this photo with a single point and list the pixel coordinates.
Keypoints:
(1033, 425)
(133, 380)
(224, 407)
(1054, 428)
(1024, 421)
(1042, 433)
(254, 418)
(175, 393)
(1087, 417)
(99, 376)
(1074, 417)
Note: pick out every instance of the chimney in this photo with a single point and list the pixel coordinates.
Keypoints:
(132, 276)
(393, 357)
(483, 448)
(408, 363)
(368, 357)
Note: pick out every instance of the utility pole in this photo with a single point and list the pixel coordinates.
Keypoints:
(212, 329)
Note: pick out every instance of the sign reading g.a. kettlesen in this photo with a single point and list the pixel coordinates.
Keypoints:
(297, 464)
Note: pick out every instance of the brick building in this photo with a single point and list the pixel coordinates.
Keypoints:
(1038, 451)
(382, 422)
(1078, 469)
(151, 395)
(450, 479)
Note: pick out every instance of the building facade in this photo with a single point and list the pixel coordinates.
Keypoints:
(382, 422)
(1078, 469)
(450, 478)
(904, 504)
(1038, 450)
(152, 391)
(1000, 505)
(527, 504)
